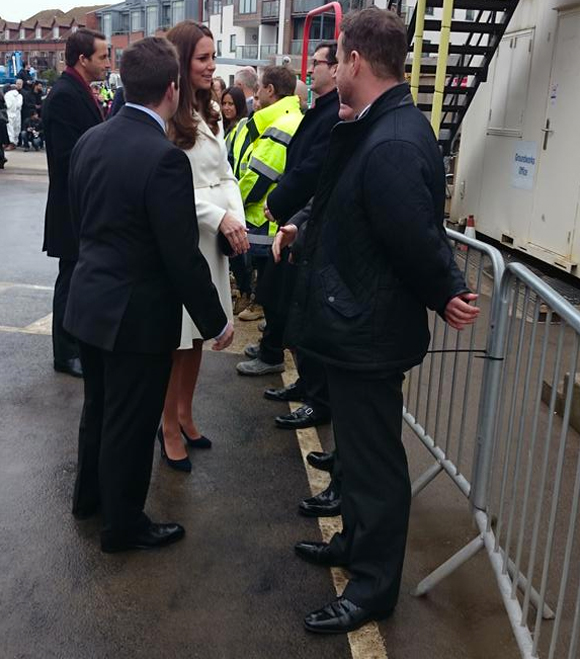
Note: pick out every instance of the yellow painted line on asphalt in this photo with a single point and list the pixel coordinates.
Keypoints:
(42, 326)
(4, 285)
(367, 642)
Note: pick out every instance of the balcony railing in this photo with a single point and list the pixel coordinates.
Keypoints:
(304, 6)
(247, 52)
(270, 8)
(267, 50)
(296, 46)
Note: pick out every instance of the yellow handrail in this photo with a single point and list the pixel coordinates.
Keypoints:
(418, 48)
(442, 59)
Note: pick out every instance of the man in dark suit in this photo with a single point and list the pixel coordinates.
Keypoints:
(69, 111)
(133, 208)
(375, 257)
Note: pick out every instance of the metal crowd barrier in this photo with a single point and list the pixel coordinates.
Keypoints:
(520, 465)
(453, 372)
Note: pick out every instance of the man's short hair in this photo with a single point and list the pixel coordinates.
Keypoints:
(81, 42)
(380, 37)
(281, 78)
(147, 69)
(247, 77)
(331, 45)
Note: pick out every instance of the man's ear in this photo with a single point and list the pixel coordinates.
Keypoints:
(171, 91)
(271, 90)
(355, 62)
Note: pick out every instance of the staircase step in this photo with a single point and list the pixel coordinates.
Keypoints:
(451, 70)
(459, 91)
(484, 5)
(457, 49)
(427, 107)
(433, 25)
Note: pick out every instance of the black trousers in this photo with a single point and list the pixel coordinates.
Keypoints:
(313, 381)
(376, 490)
(241, 267)
(272, 341)
(64, 346)
(124, 394)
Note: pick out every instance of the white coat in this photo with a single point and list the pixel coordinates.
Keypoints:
(216, 192)
(13, 100)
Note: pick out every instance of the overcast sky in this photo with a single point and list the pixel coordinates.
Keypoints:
(17, 10)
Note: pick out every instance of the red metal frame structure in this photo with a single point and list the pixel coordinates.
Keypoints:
(331, 6)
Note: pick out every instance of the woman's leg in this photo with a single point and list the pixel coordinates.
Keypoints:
(172, 435)
(189, 374)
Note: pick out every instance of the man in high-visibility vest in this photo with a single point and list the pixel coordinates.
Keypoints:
(259, 153)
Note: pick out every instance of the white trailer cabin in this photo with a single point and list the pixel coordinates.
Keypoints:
(518, 170)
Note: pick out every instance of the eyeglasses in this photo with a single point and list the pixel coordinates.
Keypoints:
(316, 62)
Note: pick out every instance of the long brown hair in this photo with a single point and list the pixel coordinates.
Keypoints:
(183, 127)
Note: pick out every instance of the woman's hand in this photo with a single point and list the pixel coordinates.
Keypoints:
(235, 232)
(284, 238)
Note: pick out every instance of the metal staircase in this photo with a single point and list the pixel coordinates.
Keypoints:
(468, 60)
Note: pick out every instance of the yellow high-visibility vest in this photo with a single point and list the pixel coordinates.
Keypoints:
(259, 155)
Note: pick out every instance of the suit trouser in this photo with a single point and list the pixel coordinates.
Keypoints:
(124, 394)
(64, 346)
(376, 491)
(314, 382)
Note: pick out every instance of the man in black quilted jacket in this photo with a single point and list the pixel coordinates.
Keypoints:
(375, 258)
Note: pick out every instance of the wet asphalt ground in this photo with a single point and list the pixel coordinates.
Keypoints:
(233, 588)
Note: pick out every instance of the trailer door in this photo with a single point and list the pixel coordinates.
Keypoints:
(558, 183)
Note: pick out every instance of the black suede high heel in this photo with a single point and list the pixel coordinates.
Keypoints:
(179, 465)
(200, 442)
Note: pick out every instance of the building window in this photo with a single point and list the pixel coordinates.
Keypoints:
(107, 27)
(232, 43)
(74, 28)
(135, 21)
(118, 55)
(151, 20)
(248, 6)
(7, 34)
(22, 33)
(38, 32)
(429, 11)
(215, 6)
(55, 32)
(178, 12)
(470, 14)
(219, 48)
(166, 16)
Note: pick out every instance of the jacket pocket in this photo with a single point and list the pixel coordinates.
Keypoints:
(337, 295)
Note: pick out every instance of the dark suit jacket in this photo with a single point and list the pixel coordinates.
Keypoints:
(67, 113)
(132, 206)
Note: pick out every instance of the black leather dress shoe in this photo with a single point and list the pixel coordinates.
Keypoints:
(317, 553)
(70, 367)
(285, 394)
(85, 511)
(151, 537)
(340, 617)
(303, 417)
(321, 460)
(324, 504)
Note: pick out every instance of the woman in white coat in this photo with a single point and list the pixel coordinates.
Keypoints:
(197, 129)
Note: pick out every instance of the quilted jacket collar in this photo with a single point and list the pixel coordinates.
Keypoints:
(394, 98)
